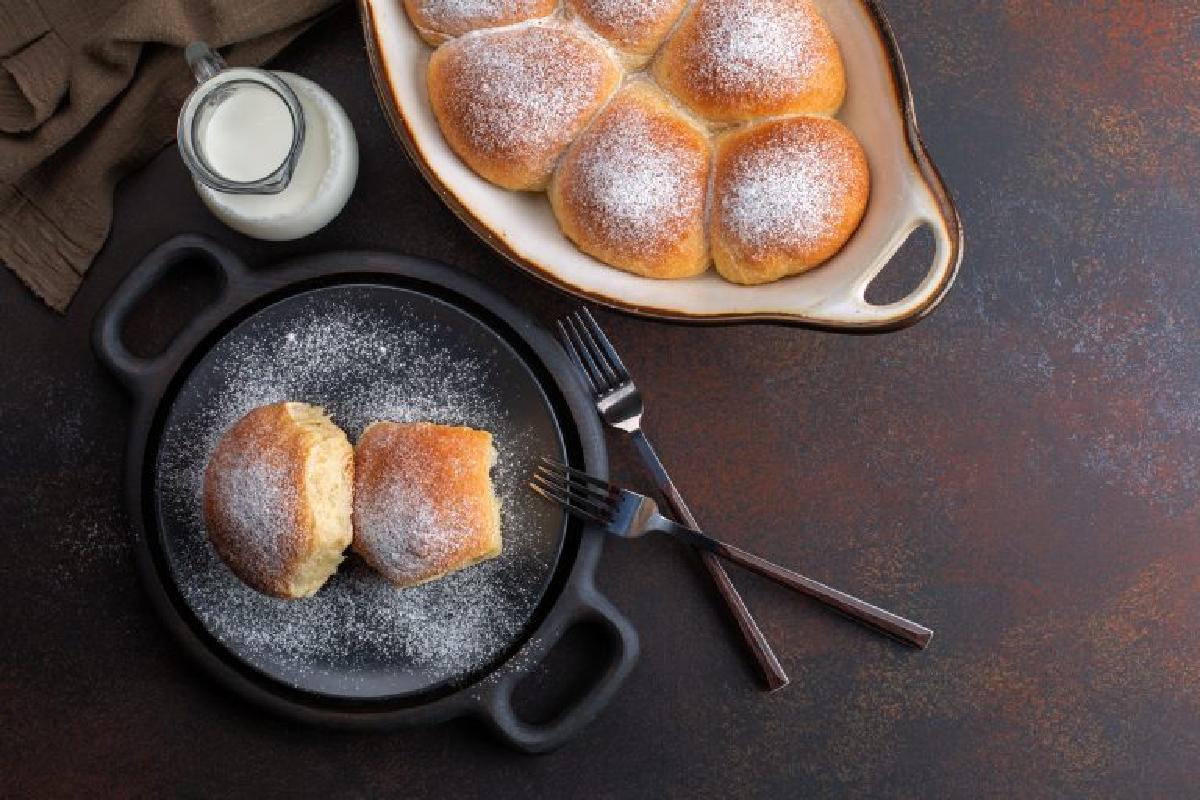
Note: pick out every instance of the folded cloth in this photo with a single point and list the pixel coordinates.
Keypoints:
(89, 91)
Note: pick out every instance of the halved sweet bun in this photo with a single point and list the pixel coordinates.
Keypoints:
(787, 195)
(737, 61)
(510, 101)
(277, 498)
(631, 190)
(636, 27)
(423, 500)
(439, 20)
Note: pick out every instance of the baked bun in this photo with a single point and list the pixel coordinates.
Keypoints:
(631, 190)
(732, 61)
(439, 20)
(277, 498)
(635, 27)
(423, 500)
(510, 101)
(787, 195)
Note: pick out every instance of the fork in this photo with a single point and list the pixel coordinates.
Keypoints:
(620, 405)
(629, 515)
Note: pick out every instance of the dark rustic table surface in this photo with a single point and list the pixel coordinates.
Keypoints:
(1021, 471)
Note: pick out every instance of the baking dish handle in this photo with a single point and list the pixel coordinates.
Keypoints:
(135, 372)
(589, 606)
(854, 311)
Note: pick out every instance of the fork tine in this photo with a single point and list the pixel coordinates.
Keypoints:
(570, 471)
(577, 322)
(564, 501)
(599, 335)
(594, 493)
(598, 501)
(599, 364)
(574, 350)
(567, 496)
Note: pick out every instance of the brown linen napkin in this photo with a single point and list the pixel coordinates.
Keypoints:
(89, 91)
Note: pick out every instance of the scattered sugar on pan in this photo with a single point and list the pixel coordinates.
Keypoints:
(361, 367)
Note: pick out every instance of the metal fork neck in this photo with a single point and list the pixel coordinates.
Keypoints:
(660, 524)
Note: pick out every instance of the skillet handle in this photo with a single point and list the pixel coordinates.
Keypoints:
(589, 606)
(136, 373)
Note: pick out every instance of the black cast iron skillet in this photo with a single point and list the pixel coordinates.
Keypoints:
(162, 384)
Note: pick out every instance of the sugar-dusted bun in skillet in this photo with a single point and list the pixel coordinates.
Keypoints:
(423, 500)
(631, 190)
(439, 20)
(510, 101)
(277, 498)
(635, 27)
(738, 60)
(787, 194)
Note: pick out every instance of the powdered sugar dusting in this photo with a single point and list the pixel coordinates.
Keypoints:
(627, 21)
(456, 15)
(402, 528)
(767, 46)
(526, 90)
(783, 193)
(257, 506)
(635, 186)
(364, 354)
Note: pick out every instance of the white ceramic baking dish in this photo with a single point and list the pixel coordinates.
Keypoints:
(906, 193)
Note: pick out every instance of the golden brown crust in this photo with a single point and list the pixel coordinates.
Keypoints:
(733, 62)
(636, 27)
(787, 195)
(423, 501)
(631, 190)
(439, 20)
(510, 101)
(258, 508)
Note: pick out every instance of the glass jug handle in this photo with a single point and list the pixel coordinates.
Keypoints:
(204, 61)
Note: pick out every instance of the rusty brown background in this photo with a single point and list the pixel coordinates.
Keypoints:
(1021, 472)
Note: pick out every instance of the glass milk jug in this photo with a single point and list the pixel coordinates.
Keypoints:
(273, 155)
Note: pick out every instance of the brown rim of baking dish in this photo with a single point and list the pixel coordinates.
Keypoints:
(946, 226)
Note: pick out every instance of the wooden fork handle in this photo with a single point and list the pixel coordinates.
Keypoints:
(753, 636)
(872, 616)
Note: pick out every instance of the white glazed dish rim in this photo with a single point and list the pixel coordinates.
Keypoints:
(907, 193)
